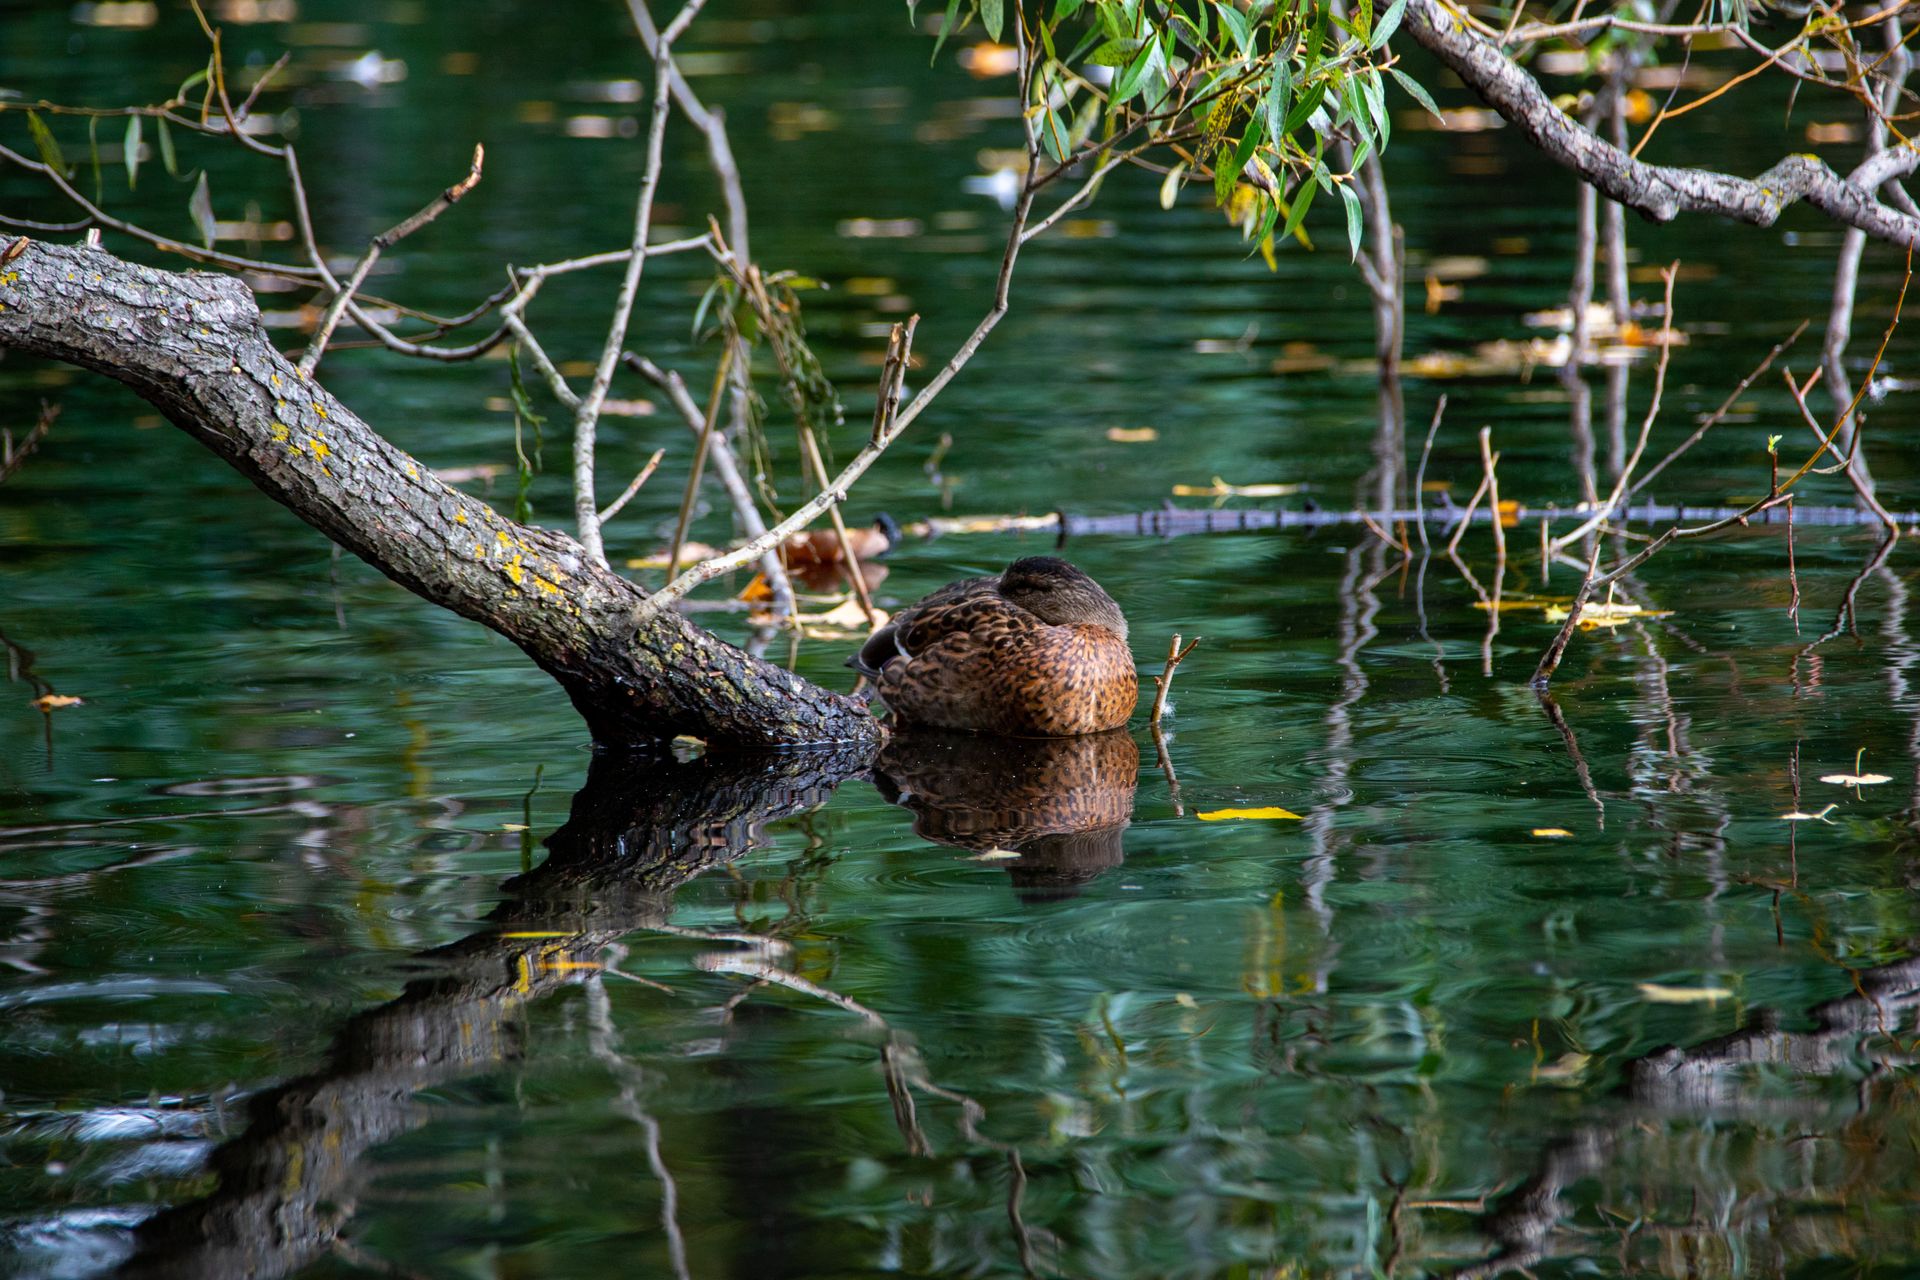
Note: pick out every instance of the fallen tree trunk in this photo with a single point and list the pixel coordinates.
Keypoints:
(193, 346)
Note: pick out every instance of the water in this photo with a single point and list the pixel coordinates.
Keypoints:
(331, 950)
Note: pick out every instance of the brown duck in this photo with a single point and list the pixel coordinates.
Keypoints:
(1039, 651)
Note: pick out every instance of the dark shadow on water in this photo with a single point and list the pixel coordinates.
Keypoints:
(1061, 804)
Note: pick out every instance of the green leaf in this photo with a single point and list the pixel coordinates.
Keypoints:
(1389, 23)
(1136, 73)
(1279, 92)
(1355, 219)
(947, 28)
(992, 17)
(1227, 169)
(1301, 199)
(93, 155)
(168, 161)
(1309, 103)
(1111, 53)
(1414, 91)
(130, 152)
(1374, 94)
(1064, 9)
(1237, 25)
(47, 144)
(200, 205)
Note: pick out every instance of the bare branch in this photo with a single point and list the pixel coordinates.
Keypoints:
(1659, 192)
(900, 347)
(612, 509)
(380, 243)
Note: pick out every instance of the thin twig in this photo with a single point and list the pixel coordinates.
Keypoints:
(1608, 507)
(855, 576)
(1420, 476)
(1466, 517)
(587, 417)
(380, 243)
(1163, 683)
(1861, 488)
(727, 468)
(900, 342)
(612, 509)
(1726, 406)
(1491, 460)
(699, 459)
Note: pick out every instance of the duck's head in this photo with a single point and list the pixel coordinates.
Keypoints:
(1057, 593)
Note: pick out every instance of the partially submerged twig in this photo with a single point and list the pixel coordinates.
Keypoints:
(1163, 683)
(1490, 460)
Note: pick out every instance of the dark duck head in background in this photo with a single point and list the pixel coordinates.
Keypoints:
(1039, 651)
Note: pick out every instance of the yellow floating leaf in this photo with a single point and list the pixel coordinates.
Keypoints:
(513, 826)
(1221, 489)
(1857, 778)
(1659, 993)
(1132, 435)
(52, 700)
(1568, 1066)
(1552, 833)
(756, 590)
(1268, 812)
(994, 855)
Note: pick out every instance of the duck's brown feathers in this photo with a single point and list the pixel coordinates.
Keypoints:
(968, 657)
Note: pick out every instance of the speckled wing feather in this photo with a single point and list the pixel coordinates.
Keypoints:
(1008, 672)
(926, 619)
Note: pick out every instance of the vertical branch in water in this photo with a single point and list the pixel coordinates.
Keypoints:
(1846, 272)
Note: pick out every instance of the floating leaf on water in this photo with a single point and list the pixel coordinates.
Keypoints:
(1856, 778)
(1221, 489)
(1659, 993)
(1132, 435)
(1568, 1066)
(53, 700)
(1185, 1001)
(995, 855)
(1797, 816)
(514, 826)
(1552, 833)
(1595, 615)
(1268, 813)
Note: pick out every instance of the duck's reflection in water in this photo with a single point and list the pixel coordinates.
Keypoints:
(1061, 804)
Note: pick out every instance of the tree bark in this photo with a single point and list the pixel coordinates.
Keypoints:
(193, 346)
(1658, 191)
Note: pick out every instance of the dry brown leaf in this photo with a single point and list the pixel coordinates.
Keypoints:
(53, 700)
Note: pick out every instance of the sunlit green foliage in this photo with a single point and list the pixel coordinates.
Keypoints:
(1271, 102)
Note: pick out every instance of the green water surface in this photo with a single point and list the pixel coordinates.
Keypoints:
(328, 947)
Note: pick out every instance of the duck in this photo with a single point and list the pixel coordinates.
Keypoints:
(1037, 651)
